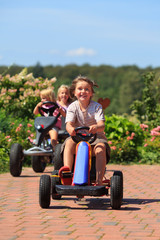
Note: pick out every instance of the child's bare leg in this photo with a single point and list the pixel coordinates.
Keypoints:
(53, 135)
(100, 153)
(69, 151)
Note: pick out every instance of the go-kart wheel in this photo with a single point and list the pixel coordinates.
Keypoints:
(83, 136)
(55, 180)
(16, 158)
(38, 164)
(45, 191)
(58, 161)
(119, 173)
(116, 191)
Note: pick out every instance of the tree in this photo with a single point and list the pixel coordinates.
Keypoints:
(38, 71)
(149, 108)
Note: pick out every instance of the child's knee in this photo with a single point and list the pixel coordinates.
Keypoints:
(70, 144)
(100, 149)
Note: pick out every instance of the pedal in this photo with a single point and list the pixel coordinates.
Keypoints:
(66, 174)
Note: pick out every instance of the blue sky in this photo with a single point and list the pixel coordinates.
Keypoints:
(61, 32)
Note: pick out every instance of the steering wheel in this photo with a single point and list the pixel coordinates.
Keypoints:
(90, 137)
(49, 110)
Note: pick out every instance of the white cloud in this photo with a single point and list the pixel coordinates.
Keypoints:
(81, 52)
(1, 57)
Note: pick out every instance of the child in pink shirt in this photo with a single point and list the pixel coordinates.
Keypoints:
(48, 95)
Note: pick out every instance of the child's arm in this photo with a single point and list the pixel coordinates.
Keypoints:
(70, 128)
(36, 110)
(62, 111)
(99, 127)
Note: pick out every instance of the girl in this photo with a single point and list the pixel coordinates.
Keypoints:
(63, 97)
(85, 112)
(63, 100)
(48, 95)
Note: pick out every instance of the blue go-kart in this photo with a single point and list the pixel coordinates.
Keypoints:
(41, 152)
(81, 181)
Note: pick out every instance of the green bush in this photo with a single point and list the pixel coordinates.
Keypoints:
(118, 127)
(132, 142)
(17, 131)
(150, 151)
(123, 137)
(148, 109)
(18, 96)
(4, 161)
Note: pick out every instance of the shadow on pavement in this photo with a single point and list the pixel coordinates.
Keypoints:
(103, 204)
(28, 176)
(139, 201)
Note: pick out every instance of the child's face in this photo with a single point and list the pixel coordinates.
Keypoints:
(64, 95)
(44, 98)
(83, 91)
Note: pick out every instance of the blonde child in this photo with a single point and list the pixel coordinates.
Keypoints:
(63, 97)
(63, 100)
(48, 95)
(85, 112)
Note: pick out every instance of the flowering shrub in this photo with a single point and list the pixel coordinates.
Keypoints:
(130, 142)
(150, 150)
(4, 161)
(119, 127)
(151, 136)
(20, 93)
(17, 130)
(21, 133)
(18, 97)
(123, 137)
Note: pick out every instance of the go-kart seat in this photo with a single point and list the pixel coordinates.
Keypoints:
(62, 134)
(42, 126)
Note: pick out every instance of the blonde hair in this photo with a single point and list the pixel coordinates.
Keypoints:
(59, 90)
(81, 78)
(49, 93)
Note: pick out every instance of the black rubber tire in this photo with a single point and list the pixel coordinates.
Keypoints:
(16, 158)
(45, 191)
(116, 191)
(119, 173)
(58, 161)
(55, 180)
(37, 163)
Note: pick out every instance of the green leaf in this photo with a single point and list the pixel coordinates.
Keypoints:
(120, 129)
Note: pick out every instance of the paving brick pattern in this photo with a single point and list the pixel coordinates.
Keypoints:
(139, 217)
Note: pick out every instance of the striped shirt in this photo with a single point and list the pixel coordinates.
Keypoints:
(92, 115)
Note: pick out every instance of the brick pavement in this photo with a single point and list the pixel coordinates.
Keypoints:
(139, 217)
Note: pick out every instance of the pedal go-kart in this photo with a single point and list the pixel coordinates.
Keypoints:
(80, 182)
(41, 153)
